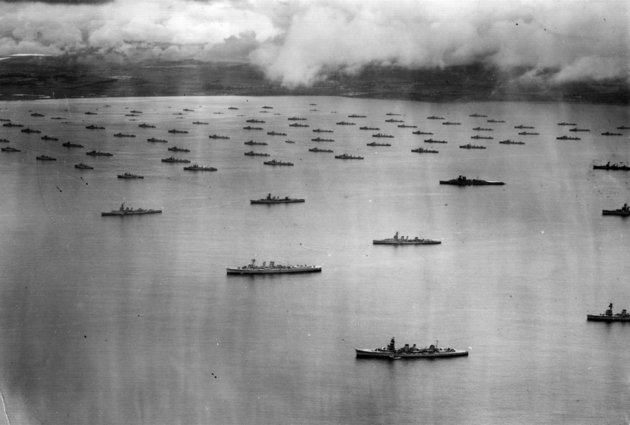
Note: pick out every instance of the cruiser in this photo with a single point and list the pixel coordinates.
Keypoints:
(422, 150)
(124, 211)
(320, 150)
(275, 200)
(347, 156)
(98, 153)
(272, 268)
(471, 146)
(252, 153)
(173, 160)
(321, 139)
(129, 176)
(464, 181)
(216, 136)
(71, 145)
(404, 240)
(407, 352)
(422, 132)
(275, 133)
(624, 211)
(389, 136)
(249, 127)
(608, 316)
(276, 162)
(196, 167)
(511, 142)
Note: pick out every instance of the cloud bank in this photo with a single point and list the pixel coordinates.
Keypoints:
(298, 42)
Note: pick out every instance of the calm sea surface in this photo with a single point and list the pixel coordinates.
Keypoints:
(117, 321)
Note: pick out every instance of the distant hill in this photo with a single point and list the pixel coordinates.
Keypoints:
(68, 77)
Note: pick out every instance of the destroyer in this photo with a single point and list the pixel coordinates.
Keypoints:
(608, 316)
(272, 268)
(124, 211)
(464, 181)
(404, 240)
(407, 352)
(269, 200)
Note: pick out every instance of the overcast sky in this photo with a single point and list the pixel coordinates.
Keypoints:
(295, 41)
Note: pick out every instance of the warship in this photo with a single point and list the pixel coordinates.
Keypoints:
(608, 316)
(272, 268)
(406, 352)
(404, 240)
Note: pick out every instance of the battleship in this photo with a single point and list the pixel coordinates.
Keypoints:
(406, 352)
(125, 211)
(608, 316)
(404, 240)
(270, 200)
(272, 268)
(624, 211)
(464, 181)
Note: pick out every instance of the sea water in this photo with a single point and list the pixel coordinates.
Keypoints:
(116, 321)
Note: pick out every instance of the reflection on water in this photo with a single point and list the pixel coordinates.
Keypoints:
(111, 321)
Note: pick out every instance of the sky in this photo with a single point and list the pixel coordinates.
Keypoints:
(296, 42)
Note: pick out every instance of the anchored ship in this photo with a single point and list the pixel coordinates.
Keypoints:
(124, 211)
(404, 240)
(624, 211)
(464, 181)
(407, 352)
(613, 167)
(276, 200)
(272, 268)
(608, 316)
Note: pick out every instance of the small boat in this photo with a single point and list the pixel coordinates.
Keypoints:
(422, 150)
(29, 130)
(511, 142)
(369, 128)
(422, 132)
(175, 131)
(124, 135)
(154, 140)
(608, 133)
(173, 160)
(347, 156)
(320, 139)
(404, 240)
(345, 123)
(10, 149)
(565, 137)
(98, 153)
(176, 149)
(608, 316)
(46, 137)
(406, 352)
(611, 167)
(82, 166)
(389, 136)
(464, 181)
(125, 211)
(217, 136)
(249, 127)
(320, 150)
(269, 200)
(322, 130)
(196, 167)
(95, 127)
(252, 143)
(378, 144)
(129, 176)
(275, 162)
(471, 146)
(272, 268)
(144, 125)
(252, 153)
(624, 211)
(45, 158)
(434, 141)
(275, 133)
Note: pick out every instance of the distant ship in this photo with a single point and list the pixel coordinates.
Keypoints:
(252, 153)
(95, 127)
(320, 139)
(98, 153)
(320, 150)
(608, 133)
(422, 150)
(124, 211)
(45, 158)
(129, 176)
(422, 132)
(154, 140)
(356, 116)
(511, 142)
(345, 123)
(173, 160)
(608, 316)
(495, 121)
(369, 128)
(297, 124)
(124, 135)
(71, 145)
(612, 167)
(47, 137)
(176, 149)
(82, 166)
(196, 167)
(10, 149)
(567, 138)
(434, 141)
(275, 133)
(393, 120)
(404, 240)
(579, 129)
(249, 127)
(378, 144)
(623, 127)
(567, 123)
(464, 181)
(476, 136)
(30, 130)
(321, 130)
(521, 126)
(470, 146)
(406, 352)
(434, 117)
(482, 129)
(275, 162)
(200, 123)
(296, 119)
(255, 121)
(624, 211)
(347, 156)
(272, 268)
(389, 136)
(477, 116)
(528, 133)
(451, 123)
(144, 125)
(252, 143)
(175, 131)
(275, 200)
(216, 136)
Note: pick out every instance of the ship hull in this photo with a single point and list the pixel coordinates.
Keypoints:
(275, 201)
(605, 318)
(472, 183)
(409, 242)
(126, 213)
(381, 354)
(269, 270)
(616, 212)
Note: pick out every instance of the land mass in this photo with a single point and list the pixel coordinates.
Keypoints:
(69, 77)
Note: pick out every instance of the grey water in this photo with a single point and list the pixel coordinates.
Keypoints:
(116, 321)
